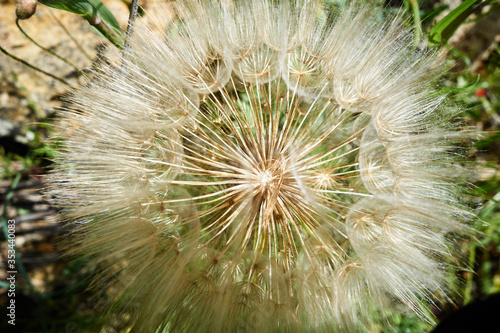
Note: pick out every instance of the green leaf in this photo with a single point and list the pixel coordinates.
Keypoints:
(428, 16)
(472, 86)
(96, 14)
(443, 30)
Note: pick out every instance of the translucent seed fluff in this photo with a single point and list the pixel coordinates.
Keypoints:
(264, 166)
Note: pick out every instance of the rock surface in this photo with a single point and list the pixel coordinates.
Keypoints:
(27, 96)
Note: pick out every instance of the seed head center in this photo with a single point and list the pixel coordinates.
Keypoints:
(268, 179)
(265, 179)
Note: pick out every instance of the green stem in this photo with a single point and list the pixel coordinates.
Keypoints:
(34, 67)
(107, 31)
(416, 22)
(46, 49)
(8, 198)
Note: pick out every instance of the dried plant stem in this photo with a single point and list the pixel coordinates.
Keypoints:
(130, 29)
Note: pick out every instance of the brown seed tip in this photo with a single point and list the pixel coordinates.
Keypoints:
(25, 9)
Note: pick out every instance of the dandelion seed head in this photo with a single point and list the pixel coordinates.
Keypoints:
(264, 166)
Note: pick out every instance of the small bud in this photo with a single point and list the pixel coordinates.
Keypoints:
(480, 92)
(25, 9)
(94, 20)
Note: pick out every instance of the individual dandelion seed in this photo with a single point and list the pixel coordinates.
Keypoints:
(265, 166)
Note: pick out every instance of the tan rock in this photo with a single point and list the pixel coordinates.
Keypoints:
(28, 96)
